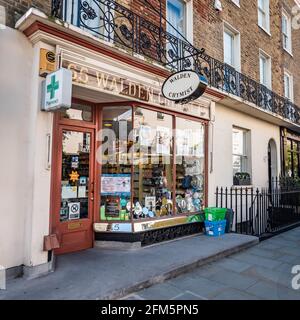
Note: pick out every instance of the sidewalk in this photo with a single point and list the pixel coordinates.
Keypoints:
(110, 274)
(259, 273)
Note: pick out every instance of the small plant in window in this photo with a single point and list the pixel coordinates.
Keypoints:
(242, 179)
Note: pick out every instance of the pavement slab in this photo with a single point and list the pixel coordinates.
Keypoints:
(111, 274)
(195, 268)
(234, 294)
(262, 272)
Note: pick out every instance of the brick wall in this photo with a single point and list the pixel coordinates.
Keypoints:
(208, 32)
(14, 9)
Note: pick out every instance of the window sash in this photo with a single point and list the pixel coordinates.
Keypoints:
(261, 5)
(262, 18)
(263, 70)
(239, 142)
(288, 86)
(239, 164)
(263, 14)
(176, 15)
(228, 48)
(286, 32)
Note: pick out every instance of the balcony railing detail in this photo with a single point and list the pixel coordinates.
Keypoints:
(115, 23)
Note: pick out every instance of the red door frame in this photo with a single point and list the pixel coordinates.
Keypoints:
(74, 226)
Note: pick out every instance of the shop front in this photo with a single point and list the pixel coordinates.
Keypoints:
(290, 151)
(127, 164)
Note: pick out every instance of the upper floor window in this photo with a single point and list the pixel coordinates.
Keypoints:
(231, 47)
(264, 15)
(265, 69)
(180, 17)
(176, 16)
(286, 32)
(94, 22)
(288, 86)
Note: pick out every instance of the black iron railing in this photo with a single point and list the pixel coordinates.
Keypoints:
(261, 212)
(115, 23)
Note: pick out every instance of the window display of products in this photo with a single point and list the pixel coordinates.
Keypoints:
(115, 179)
(153, 176)
(147, 180)
(190, 166)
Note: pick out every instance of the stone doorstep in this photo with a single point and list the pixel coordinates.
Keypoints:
(175, 272)
(119, 245)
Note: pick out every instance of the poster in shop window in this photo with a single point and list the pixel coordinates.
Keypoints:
(116, 184)
(145, 136)
(163, 138)
(183, 143)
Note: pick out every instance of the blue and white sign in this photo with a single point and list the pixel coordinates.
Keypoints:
(57, 90)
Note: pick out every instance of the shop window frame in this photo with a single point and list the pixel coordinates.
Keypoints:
(174, 114)
(81, 123)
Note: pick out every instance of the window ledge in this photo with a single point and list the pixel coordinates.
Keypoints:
(236, 4)
(289, 52)
(250, 186)
(265, 30)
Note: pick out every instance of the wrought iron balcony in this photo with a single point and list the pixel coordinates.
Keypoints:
(117, 24)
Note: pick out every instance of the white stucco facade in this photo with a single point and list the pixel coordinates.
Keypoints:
(220, 147)
(25, 180)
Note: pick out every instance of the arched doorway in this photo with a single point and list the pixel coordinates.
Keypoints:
(272, 161)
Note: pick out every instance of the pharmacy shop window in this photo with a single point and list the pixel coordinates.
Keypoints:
(153, 164)
(190, 166)
(114, 156)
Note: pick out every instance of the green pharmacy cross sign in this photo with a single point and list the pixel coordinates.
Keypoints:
(52, 87)
(57, 90)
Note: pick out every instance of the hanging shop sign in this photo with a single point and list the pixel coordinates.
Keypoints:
(184, 86)
(57, 90)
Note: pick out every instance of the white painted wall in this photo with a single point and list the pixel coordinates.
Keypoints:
(25, 182)
(37, 222)
(220, 145)
(15, 185)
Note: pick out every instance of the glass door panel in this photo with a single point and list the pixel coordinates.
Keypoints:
(75, 175)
